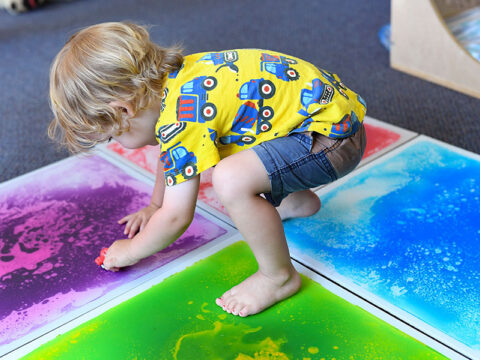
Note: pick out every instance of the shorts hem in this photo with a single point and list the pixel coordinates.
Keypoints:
(271, 168)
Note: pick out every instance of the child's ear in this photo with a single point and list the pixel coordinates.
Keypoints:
(125, 107)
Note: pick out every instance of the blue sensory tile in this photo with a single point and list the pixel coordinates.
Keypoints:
(405, 229)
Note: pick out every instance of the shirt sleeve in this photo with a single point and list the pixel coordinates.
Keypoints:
(187, 149)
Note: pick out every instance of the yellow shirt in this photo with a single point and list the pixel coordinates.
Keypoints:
(223, 102)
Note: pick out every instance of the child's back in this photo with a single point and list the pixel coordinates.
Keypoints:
(232, 100)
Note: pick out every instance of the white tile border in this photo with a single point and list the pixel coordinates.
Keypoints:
(405, 136)
(117, 159)
(34, 172)
(218, 214)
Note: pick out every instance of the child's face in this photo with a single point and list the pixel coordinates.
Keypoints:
(142, 128)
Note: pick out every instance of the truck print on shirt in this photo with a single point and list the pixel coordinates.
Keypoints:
(192, 104)
(243, 123)
(178, 160)
(279, 66)
(321, 93)
(224, 59)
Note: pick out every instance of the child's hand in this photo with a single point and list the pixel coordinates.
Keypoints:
(138, 220)
(119, 255)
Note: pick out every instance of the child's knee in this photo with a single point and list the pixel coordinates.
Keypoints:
(240, 176)
(232, 181)
(224, 180)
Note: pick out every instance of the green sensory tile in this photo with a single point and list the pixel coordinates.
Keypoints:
(178, 319)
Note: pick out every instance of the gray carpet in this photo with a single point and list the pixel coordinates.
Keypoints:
(340, 36)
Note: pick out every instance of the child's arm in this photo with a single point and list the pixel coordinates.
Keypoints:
(166, 225)
(138, 220)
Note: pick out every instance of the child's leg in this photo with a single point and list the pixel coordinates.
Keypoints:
(281, 169)
(238, 181)
(299, 204)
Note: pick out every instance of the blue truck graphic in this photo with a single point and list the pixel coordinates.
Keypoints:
(279, 66)
(336, 83)
(178, 160)
(244, 122)
(224, 59)
(320, 93)
(256, 89)
(192, 104)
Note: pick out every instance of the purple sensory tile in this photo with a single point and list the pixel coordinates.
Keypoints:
(53, 223)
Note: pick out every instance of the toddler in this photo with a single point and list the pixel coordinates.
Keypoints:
(272, 125)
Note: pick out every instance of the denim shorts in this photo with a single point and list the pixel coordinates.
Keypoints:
(303, 161)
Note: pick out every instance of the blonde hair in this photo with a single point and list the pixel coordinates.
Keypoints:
(100, 64)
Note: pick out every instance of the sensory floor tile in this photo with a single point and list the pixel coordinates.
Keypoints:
(53, 223)
(404, 231)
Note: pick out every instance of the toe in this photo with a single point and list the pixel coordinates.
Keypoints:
(219, 301)
(236, 309)
(224, 305)
(231, 307)
(243, 311)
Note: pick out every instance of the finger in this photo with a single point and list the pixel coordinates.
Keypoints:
(134, 229)
(113, 269)
(128, 226)
(124, 219)
(107, 262)
(109, 265)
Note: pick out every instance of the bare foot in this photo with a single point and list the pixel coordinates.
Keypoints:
(259, 292)
(299, 204)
